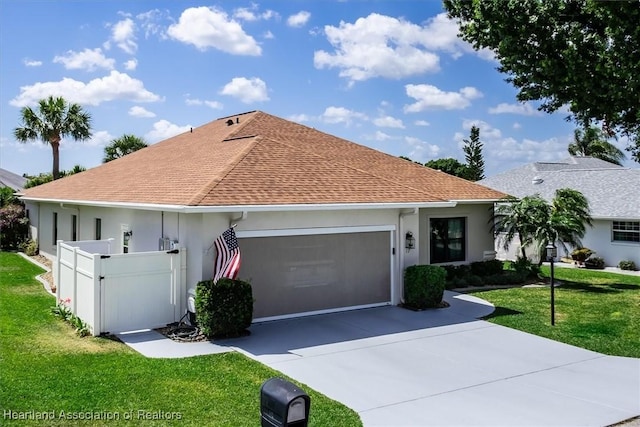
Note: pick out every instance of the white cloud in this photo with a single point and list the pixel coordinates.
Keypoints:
(486, 130)
(253, 14)
(137, 111)
(336, 115)
(420, 150)
(206, 28)
(164, 129)
(300, 118)
(517, 126)
(421, 123)
(98, 139)
(131, 64)
(31, 62)
(115, 86)
(268, 35)
(123, 35)
(377, 46)
(150, 22)
(299, 19)
(197, 102)
(246, 90)
(381, 136)
(430, 97)
(388, 122)
(525, 109)
(88, 60)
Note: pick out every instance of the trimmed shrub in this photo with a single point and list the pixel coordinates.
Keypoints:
(627, 265)
(594, 262)
(473, 280)
(424, 286)
(487, 268)
(224, 308)
(525, 268)
(29, 247)
(14, 226)
(580, 255)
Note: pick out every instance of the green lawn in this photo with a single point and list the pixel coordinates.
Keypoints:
(596, 310)
(46, 368)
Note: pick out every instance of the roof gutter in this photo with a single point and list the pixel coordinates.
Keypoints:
(248, 208)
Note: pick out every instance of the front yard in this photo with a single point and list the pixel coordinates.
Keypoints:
(48, 371)
(596, 310)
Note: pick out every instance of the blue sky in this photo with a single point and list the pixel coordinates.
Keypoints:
(390, 74)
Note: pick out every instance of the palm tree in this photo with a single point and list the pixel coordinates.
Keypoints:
(54, 119)
(122, 146)
(534, 220)
(592, 142)
(520, 218)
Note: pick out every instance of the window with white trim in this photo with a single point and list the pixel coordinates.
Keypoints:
(447, 239)
(626, 231)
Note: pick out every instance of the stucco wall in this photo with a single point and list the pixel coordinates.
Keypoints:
(478, 230)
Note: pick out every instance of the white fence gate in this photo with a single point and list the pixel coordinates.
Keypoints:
(121, 292)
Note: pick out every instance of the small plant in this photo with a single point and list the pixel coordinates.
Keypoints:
(63, 311)
(525, 267)
(627, 265)
(594, 262)
(580, 255)
(29, 247)
(224, 308)
(424, 286)
(487, 268)
(473, 280)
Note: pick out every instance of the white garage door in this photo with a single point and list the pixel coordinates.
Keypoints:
(306, 273)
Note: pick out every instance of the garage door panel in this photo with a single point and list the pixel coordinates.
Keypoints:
(294, 274)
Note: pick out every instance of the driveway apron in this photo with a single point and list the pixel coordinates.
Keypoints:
(397, 367)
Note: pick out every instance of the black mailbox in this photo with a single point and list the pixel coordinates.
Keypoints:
(283, 404)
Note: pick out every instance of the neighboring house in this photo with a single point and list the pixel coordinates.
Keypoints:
(322, 222)
(612, 192)
(12, 180)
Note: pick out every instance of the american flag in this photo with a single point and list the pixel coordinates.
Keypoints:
(227, 256)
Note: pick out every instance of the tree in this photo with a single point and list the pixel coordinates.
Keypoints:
(43, 178)
(448, 165)
(54, 120)
(473, 155)
(534, 220)
(122, 146)
(582, 54)
(592, 142)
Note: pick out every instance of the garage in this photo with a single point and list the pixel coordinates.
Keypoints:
(294, 272)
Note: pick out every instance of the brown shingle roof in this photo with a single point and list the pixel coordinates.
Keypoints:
(260, 159)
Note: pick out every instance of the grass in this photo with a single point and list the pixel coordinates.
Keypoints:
(595, 310)
(46, 368)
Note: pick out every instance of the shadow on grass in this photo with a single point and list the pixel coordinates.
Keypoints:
(609, 288)
(502, 311)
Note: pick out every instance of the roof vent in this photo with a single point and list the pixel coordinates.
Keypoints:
(537, 180)
(229, 122)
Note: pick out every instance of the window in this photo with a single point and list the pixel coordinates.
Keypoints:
(55, 228)
(448, 237)
(626, 231)
(74, 228)
(98, 229)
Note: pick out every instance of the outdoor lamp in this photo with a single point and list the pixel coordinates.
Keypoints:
(552, 252)
(410, 241)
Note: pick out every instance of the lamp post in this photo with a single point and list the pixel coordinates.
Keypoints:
(552, 252)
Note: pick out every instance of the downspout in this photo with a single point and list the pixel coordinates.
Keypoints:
(401, 233)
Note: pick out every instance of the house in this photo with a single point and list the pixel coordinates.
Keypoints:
(612, 192)
(323, 224)
(12, 180)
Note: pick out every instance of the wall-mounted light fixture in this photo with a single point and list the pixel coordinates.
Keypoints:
(128, 234)
(410, 241)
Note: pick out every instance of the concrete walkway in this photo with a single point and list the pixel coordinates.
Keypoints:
(444, 367)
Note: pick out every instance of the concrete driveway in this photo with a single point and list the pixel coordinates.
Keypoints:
(397, 367)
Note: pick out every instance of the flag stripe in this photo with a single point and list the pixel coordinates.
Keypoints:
(227, 261)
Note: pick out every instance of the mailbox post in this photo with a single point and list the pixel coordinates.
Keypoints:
(283, 404)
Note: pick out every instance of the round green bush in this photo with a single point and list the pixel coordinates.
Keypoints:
(424, 286)
(627, 265)
(224, 308)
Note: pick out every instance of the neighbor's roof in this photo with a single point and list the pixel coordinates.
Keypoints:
(259, 159)
(12, 180)
(612, 190)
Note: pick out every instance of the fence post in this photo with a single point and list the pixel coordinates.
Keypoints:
(56, 272)
(97, 294)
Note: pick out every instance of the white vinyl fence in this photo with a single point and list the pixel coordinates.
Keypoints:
(120, 292)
